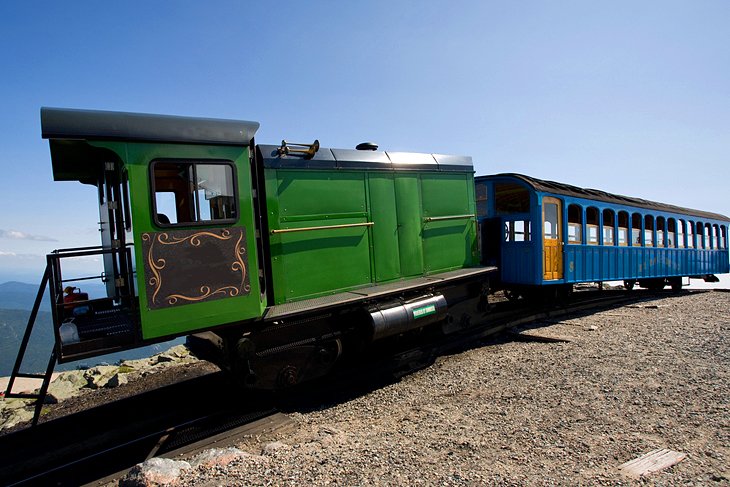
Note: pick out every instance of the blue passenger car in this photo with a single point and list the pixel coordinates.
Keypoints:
(546, 233)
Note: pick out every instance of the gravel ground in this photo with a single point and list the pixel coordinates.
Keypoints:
(633, 379)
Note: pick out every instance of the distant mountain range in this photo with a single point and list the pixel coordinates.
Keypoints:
(19, 295)
(16, 301)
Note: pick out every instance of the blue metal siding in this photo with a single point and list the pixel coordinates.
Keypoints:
(592, 263)
(521, 262)
(517, 262)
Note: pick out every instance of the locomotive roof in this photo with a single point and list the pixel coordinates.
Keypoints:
(326, 158)
(598, 195)
(64, 123)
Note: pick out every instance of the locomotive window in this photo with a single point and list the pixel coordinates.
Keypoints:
(716, 237)
(708, 236)
(188, 192)
(511, 198)
(575, 224)
(724, 236)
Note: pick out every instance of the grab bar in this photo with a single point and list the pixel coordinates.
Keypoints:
(450, 217)
(327, 227)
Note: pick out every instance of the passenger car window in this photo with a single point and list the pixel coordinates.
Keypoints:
(193, 192)
(575, 224)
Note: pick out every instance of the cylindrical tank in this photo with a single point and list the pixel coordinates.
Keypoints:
(389, 320)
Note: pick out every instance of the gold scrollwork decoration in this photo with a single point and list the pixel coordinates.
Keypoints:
(157, 264)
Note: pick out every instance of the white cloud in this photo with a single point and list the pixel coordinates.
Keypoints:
(15, 255)
(16, 235)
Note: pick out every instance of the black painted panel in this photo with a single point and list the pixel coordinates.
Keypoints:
(192, 266)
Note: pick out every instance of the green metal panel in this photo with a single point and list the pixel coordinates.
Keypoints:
(408, 203)
(449, 240)
(386, 254)
(187, 316)
(317, 261)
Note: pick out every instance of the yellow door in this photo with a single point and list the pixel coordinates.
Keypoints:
(552, 239)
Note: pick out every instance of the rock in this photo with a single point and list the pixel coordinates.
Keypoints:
(179, 353)
(15, 416)
(155, 471)
(68, 384)
(116, 380)
(218, 456)
(270, 448)
(592, 328)
(99, 376)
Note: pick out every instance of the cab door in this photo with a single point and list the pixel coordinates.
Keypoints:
(552, 239)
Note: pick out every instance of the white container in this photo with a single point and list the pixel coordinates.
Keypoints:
(68, 333)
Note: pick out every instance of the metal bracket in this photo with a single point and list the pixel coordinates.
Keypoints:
(286, 148)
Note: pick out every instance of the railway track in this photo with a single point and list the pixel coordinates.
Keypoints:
(101, 444)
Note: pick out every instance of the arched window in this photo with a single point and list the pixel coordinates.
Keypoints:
(708, 236)
(575, 224)
(690, 234)
(680, 234)
(649, 231)
(660, 231)
(592, 225)
(623, 228)
(636, 230)
(700, 235)
(608, 224)
(671, 233)
(716, 237)
(723, 230)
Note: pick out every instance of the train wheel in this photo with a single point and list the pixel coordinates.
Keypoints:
(654, 284)
(511, 294)
(629, 285)
(676, 283)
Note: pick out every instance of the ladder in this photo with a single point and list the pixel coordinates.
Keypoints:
(40, 396)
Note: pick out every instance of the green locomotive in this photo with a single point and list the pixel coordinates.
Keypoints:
(282, 258)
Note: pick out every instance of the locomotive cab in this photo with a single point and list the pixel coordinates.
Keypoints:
(178, 233)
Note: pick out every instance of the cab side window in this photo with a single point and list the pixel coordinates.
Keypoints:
(193, 192)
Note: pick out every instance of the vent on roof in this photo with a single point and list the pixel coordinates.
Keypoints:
(367, 146)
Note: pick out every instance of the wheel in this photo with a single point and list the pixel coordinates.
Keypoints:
(511, 294)
(676, 283)
(655, 284)
(629, 285)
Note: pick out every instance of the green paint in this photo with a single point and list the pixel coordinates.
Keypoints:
(186, 318)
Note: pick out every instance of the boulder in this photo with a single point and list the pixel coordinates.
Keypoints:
(218, 456)
(155, 471)
(68, 384)
(14, 416)
(98, 377)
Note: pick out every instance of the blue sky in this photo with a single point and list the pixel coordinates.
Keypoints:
(630, 97)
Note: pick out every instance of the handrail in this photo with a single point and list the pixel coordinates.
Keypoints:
(450, 217)
(326, 227)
